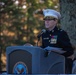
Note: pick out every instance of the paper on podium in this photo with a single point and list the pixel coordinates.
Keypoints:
(54, 49)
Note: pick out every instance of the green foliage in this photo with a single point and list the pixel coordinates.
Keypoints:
(18, 25)
(14, 18)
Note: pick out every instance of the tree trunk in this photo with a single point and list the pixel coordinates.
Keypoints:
(68, 20)
(0, 64)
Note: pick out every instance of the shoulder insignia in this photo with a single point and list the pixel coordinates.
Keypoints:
(61, 30)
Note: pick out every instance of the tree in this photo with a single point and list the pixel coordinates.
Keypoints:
(19, 25)
(12, 21)
(68, 20)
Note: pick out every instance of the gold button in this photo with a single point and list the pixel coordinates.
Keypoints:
(49, 40)
(52, 30)
(50, 34)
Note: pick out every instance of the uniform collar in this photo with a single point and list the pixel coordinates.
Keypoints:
(53, 30)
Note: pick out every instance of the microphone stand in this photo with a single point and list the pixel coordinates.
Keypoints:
(46, 52)
(43, 31)
(38, 41)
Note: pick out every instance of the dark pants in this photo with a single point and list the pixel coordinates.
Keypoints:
(68, 66)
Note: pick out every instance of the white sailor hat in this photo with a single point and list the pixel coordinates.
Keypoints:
(51, 13)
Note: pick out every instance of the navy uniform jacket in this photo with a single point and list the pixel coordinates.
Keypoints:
(57, 38)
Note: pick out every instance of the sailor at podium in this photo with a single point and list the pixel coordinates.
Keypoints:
(56, 37)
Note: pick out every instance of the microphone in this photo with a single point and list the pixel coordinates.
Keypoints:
(43, 31)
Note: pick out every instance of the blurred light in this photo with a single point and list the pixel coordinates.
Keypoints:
(55, 6)
(35, 31)
(16, 2)
(13, 0)
(1, 3)
(25, 27)
(3, 58)
(1, 33)
(1, 9)
(24, 7)
(24, 38)
(41, 1)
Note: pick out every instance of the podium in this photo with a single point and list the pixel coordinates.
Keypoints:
(32, 60)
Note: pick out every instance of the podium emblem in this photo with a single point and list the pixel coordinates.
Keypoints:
(20, 68)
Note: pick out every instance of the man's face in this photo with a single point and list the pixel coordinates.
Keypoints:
(50, 23)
